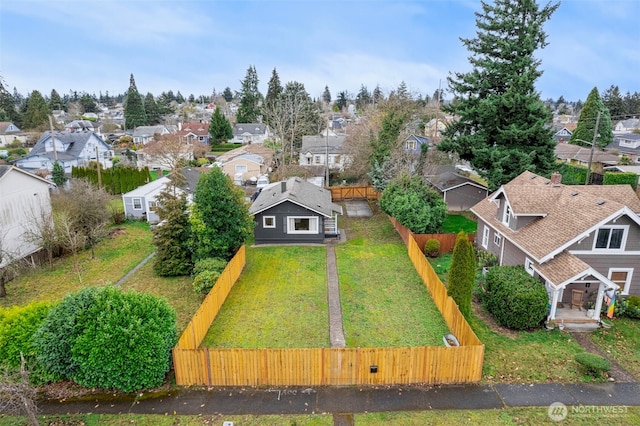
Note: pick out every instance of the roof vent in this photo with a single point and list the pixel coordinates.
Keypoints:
(283, 186)
(600, 202)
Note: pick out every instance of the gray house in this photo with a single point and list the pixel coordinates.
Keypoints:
(460, 193)
(294, 211)
(580, 241)
(141, 203)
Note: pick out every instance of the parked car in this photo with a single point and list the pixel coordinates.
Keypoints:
(263, 180)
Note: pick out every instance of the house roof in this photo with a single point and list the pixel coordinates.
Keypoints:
(4, 125)
(567, 151)
(630, 137)
(247, 156)
(448, 180)
(6, 169)
(74, 141)
(317, 141)
(565, 212)
(252, 128)
(566, 268)
(191, 175)
(149, 130)
(297, 191)
(421, 140)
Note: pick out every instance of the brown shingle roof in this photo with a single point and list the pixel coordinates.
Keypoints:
(566, 212)
(562, 268)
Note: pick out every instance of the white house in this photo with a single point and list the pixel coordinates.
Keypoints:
(24, 198)
(69, 149)
(247, 133)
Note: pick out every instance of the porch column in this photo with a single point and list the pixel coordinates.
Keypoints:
(599, 299)
(555, 293)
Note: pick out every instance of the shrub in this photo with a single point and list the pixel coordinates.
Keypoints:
(432, 248)
(17, 327)
(412, 203)
(593, 364)
(515, 298)
(207, 272)
(462, 273)
(116, 340)
(632, 307)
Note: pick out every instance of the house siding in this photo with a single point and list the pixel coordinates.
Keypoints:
(633, 236)
(464, 197)
(512, 254)
(602, 264)
(278, 234)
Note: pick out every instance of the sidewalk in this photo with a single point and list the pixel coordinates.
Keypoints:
(301, 400)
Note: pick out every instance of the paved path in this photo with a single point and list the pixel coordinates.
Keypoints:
(351, 399)
(134, 270)
(336, 333)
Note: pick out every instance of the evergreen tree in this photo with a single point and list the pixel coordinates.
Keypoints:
(58, 174)
(587, 123)
(326, 95)
(378, 96)
(134, 113)
(503, 126)
(462, 273)
(612, 99)
(363, 98)
(55, 102)
(250, 97)
(219, 128)
(220, 220)
(403, 93)
(179, 98)
(173, 253)
(8, 110)
(37, 112)
(88, 103)
(152, 109)
(227, 94)
(342, 101)
(274, 90)
(388, 136)
(632, 103)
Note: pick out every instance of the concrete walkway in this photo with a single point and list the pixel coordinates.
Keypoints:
(134, 270)
(336, 332)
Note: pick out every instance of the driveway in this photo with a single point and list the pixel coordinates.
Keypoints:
(358, 208)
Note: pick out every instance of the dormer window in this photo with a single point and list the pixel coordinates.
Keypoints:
(610, 238)
(507, 214)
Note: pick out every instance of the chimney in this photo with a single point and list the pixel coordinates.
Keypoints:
(556, 179)
(283, 186)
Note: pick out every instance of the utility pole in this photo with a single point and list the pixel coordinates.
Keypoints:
(53, 142)
(435, 132)
(326, 159)
(99, 173)
(593, 145)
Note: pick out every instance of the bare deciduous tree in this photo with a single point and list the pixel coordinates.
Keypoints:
(17, 395)
(169, 151)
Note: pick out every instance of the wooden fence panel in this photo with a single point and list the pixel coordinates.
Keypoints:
(340, 193)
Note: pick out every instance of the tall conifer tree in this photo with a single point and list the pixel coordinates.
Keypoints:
(219, 129)
(37, 112)
(134, 113)
(503, 124)
(587, 123)
(250, 98)
(152, 109)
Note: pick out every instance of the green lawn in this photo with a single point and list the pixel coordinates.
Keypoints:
(384, 302)
(280, 301)
(454, 223)
(621, 343)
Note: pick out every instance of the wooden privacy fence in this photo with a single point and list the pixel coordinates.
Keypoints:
(340, 193)
(328, 366)
(447, 241)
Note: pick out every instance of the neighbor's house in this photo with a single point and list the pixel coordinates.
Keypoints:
(325, 151)
(145, 134)
(245, 166)
(69, 149)
(414, 144)
(10, 132)
(459, 192)
(24, 198)
(294, 211)
(627, 145)
(580, 156)
(248, 133)
(570, 237)
(141, 202)
(563, 135)
(194, 132)
(626, 126)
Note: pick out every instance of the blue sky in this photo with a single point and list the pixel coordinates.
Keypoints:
(194, 46)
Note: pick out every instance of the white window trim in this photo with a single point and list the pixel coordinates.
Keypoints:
(133, 203)
(497, 239)
(528, 266)
(507, 214)
(623, 244)
(313, 225)
(241, 168)
(264, 221)
(627, 284)
(485, 236)
(152, 206)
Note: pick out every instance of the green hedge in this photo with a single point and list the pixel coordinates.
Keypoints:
(593, 363)
(619, 178)
(115, 180)
(515, 298)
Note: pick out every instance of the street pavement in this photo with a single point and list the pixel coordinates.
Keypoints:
(349, 399)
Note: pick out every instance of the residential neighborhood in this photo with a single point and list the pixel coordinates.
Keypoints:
(358, 235)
